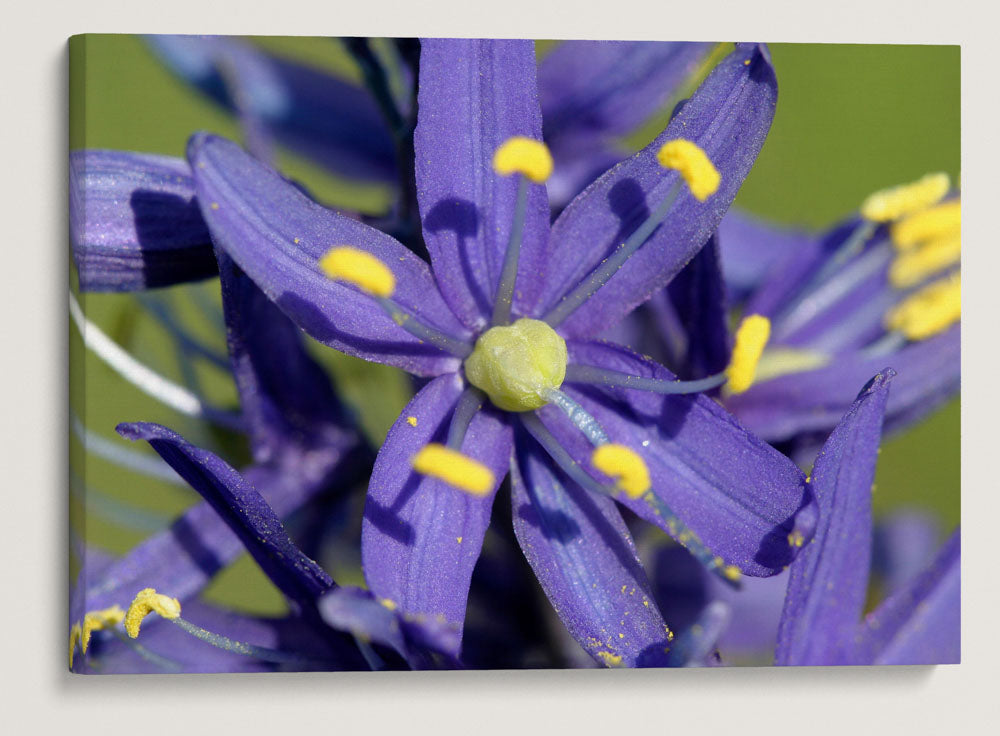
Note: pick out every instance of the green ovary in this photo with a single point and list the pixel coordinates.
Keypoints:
(518, 365)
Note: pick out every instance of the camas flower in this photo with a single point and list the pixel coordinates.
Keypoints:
(500, 324)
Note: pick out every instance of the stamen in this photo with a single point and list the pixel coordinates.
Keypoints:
(561, 457)
(148, 601)
(930, 311)
(610, 265)
(751, 337)
(360, 268)
(693, 164)
(589, 374)
(508, 276)
(98, 621)
(468, 404)
(525, 156)
(363, 270)
(917, 264)
(144, 378)
(454, 468)
(623, 464)
(930, 224)
(906, 199)
(580, 418)
(265, 654)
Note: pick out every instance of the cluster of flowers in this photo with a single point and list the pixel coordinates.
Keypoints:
(525, 252)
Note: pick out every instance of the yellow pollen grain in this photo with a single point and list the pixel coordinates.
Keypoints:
(360, 268)
(459, 539)
(625, 466)
(97, 621)
(610, 659)
(796, 539)
(412, 421)
(731, 572)
(929, 224)
(454, 468)
(525, 156)
(388, 603)
(906, 199)
(930, 311)
(215, 205)
(917, 264)
(688, 158)
(149, 601)
(296, 241)
(751, 338)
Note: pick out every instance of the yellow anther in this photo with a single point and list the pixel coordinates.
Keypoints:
(930, 224)
(359, 268)
(610, 659)
(930, 311)
(526, 156)
(98, 620)
(917, 264)
(751, 337)
(906, 199)
(148, 601)
(693, 164)
(454, 468)
(623, 464)
(74, 637)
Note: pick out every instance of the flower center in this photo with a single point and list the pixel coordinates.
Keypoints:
(517, 366)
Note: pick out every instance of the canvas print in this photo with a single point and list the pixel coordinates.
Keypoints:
(400, 354)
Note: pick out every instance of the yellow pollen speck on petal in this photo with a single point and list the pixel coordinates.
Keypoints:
(412, 421)
(359, 268)
(459, 539)
(796, 539)
(148, 601)
(454, 468)
(929, 224)
(98, 620)
(526, 156)
(917, 264)
(906, 199)
(215, 205)
(731, 572)
(297, 241)
(751, 338)
(610, 659)
(930, 311)
(388, 603)
(693, 164)
(624, 465)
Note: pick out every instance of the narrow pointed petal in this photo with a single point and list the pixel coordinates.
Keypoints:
(329, 121)
(420, 537)
(474, 95)
(288, 403)
(751, 248)
(921, 623)
(738, 494)
(729, 117)
(134, 222)
(584, 558)
(242, 508)
(698, 295)
(929, 373)
(829, 580)
(277, 235)
(609, 88)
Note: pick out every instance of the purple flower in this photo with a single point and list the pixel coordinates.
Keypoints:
(496, 397)
(822, 622)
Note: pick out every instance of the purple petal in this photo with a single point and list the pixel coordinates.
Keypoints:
(609, 88)
(584, 558)
(829, 580)
(921, 623)
(287, 400)
(929, 373)
(420, 537)
(243, 509)
(740, 495)
(474, 95)
(698, 296)
(277, 236)
(729, 116)
(751, 248)
(329, 121)
(134, 222)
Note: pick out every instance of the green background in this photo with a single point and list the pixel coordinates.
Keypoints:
(850, 119)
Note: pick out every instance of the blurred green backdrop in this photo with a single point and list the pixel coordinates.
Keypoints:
(850, 119)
